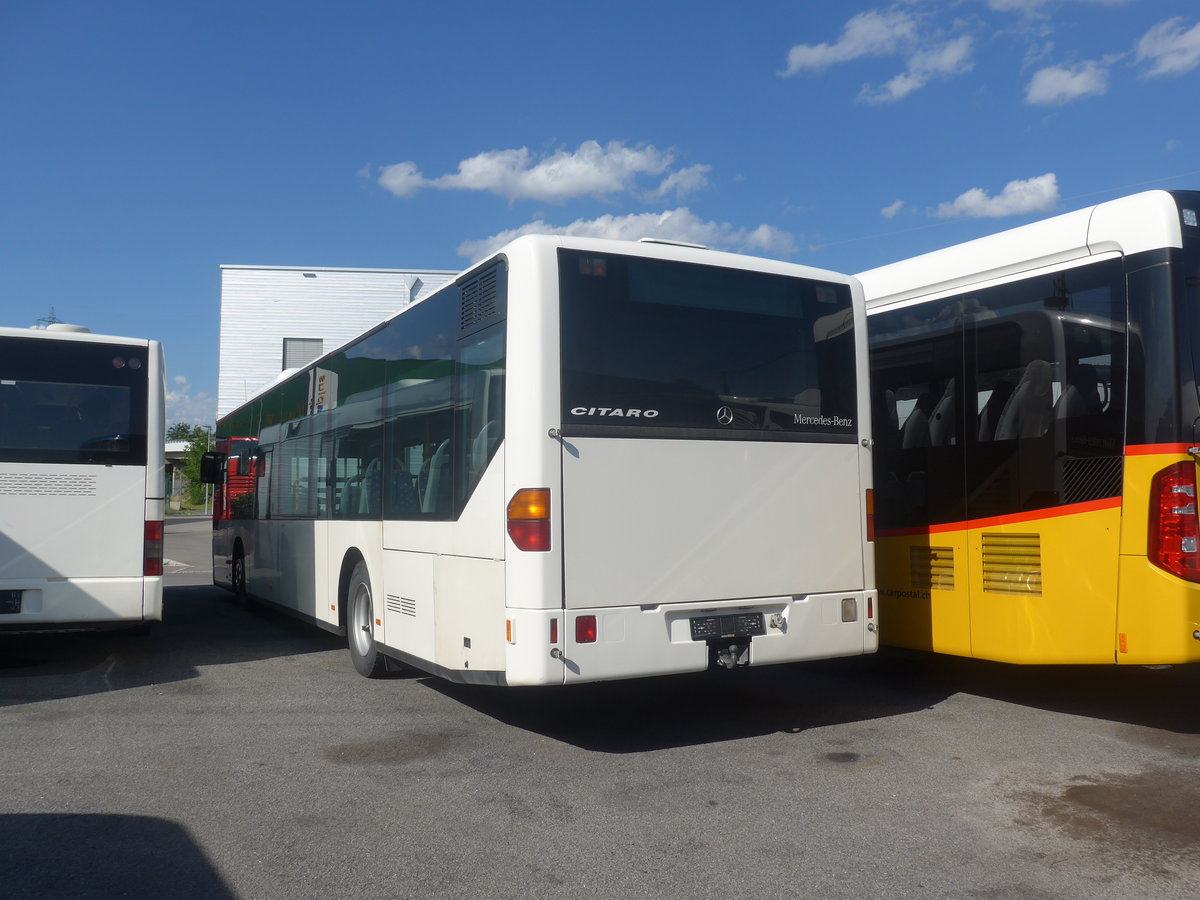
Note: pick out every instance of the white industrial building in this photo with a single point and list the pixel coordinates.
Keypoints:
(279, 317)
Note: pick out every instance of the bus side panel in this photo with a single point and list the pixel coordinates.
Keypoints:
(469, 618)
(1045, 591)
(924, 601)
(427, 585)
(407, 604)
(300, 550)
(345, 540)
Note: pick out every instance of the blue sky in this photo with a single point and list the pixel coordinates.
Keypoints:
(144, 144)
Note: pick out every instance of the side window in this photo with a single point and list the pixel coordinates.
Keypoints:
(356, 473)
(419, 409)
(917, 400)
(480, 376)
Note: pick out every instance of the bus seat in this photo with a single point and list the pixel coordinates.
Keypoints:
(1029, 410)
(1081, 397)
(915, 432)
(368, 501)
(437, 488)
(351, 492)
(941, 423)
(481, 446)
(990, 414)
(402, 491)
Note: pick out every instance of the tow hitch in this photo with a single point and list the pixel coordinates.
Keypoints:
(729, 654)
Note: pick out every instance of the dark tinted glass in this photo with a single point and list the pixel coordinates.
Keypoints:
(1000, 401)
(72, 402)
(418, 481)
(664, 349)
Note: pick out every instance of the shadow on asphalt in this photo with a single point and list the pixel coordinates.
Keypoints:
(1150, 697)
(652, 714)
(79, 857)
(200, 627)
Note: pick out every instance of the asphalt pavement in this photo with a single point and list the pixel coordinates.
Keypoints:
(236, 753)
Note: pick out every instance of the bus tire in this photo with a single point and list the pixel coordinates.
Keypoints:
(360, 625)
(237, 575)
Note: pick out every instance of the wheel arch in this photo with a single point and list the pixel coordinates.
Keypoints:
(352, 558)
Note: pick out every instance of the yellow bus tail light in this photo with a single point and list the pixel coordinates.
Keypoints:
(529, 519)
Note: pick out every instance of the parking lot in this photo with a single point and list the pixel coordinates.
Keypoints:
(235, 753)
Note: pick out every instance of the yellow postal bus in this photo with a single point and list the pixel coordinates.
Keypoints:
(1037, 426)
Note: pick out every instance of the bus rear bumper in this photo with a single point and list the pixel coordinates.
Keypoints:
(639, 641)
(84, 602)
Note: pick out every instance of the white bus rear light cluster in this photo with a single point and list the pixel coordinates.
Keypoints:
(529, 519)
(152, 554)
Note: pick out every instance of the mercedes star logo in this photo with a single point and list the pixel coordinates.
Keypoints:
(724, 415)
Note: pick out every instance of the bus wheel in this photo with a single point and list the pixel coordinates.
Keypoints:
(360, 626)
(238, 577)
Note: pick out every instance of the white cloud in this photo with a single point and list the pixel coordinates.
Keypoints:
(402, 179)
(1018, 198)
(681, 183)
(591, 170)
(675, 224)
(870, 33)
(1028, 6)
(950, 58)
(185, 406)
(1058, 85)
(1169, 48)
(1173, 145)
(892, 210)
(889, 32)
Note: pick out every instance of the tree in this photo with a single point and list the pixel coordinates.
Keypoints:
(199, 438)
(182, 431)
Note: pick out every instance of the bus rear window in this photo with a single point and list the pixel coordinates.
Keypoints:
(72, 402)
(653, 348)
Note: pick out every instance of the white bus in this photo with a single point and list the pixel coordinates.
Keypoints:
(81, 476)
(582, 460)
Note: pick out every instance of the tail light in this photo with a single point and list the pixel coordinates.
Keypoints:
(585, 630)
(1174, 540)
(152, 549)
(529, 519)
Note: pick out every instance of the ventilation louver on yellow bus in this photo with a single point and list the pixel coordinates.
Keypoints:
(1012, 564)
(931, 568)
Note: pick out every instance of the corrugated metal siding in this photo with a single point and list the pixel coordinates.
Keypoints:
(262, 305)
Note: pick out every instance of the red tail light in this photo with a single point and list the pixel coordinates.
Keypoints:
(152, 552)
(870, 515)
(1174, 540)
(585, 630)
(529, 519)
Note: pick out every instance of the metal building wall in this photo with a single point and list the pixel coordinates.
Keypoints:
(262, 305)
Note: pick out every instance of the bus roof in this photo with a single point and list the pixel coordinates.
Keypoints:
(1145, 221)
(54, 334)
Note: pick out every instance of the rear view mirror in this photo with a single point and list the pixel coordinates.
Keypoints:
(212, 467)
